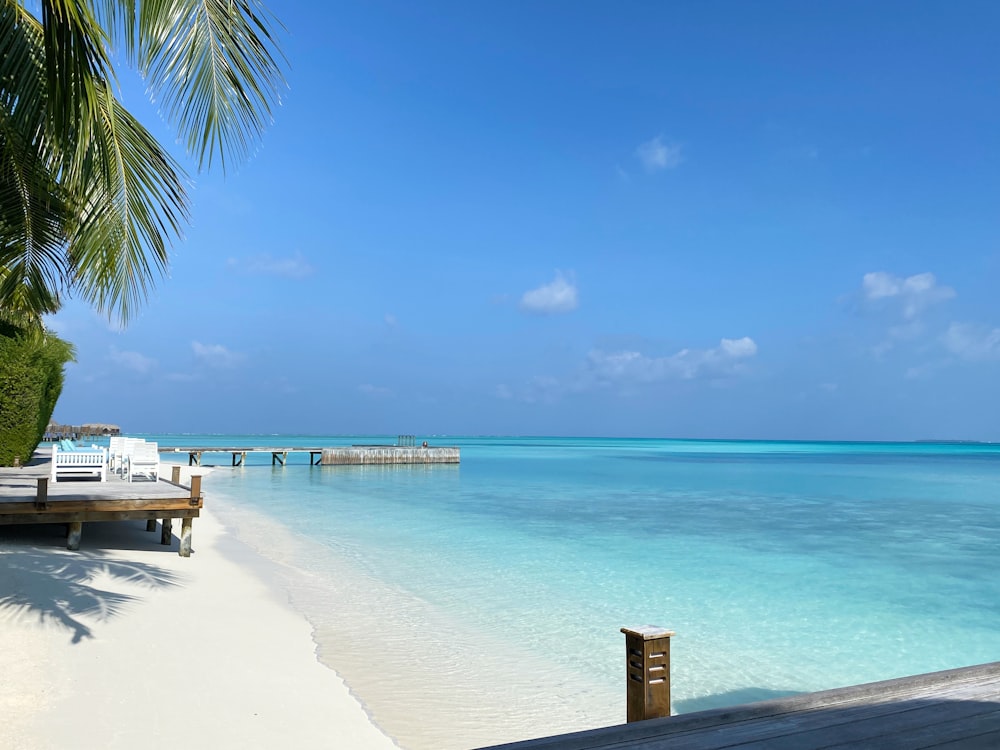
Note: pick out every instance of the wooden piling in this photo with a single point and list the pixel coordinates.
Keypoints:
(166, 533)
(175, 474)
(42, 494)
(185, 548)
(75, 532)
(647, 670)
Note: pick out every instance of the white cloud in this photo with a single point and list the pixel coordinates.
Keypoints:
(374, 390)
(725, 360)
(972, 342)
(912, 294)
(132, 361)
(558, 296)
(656, 155)
(216, 355)
(291, 267)
(503, 391)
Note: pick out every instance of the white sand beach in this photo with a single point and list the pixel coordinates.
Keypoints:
(124, 644)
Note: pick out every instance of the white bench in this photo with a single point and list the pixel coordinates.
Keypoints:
(86, 462)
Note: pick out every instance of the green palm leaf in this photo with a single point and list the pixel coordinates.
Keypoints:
(212, 66)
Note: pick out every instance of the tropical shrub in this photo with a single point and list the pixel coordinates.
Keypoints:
(31, 379)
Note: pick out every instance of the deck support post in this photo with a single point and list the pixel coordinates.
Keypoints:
(166, 533)
(647, 672)
(75, 532)
(185, 548)
(151, 524)
(42, 493)
(175, 474)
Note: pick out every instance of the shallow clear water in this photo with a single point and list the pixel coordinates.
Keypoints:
(482, 602)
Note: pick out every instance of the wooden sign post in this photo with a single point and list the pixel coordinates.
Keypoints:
(647, 669)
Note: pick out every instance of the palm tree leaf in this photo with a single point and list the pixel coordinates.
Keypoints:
(213, 66)
(130, 213)
(76, 64)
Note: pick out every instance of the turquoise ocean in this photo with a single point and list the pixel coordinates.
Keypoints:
(479, 603)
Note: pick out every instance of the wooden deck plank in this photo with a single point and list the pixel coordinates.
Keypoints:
(765, 722)
(961, 729)
(145, 514)
(793, 730)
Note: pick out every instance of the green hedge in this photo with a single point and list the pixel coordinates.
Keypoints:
(31, 379)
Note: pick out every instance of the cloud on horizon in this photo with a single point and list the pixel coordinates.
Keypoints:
(655, 155)
(558, 296)
(632, 367)
(216, 355)
(626, 370)
(974, 343)
(291, 267)
(133, 361)
(376, 391)
(908, 296)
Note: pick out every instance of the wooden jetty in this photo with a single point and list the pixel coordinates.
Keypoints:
(332, 456)
(954, 709)
(239, 454)
(27, 496)
(389, 454)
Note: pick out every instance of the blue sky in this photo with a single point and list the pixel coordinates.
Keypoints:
(718, 219)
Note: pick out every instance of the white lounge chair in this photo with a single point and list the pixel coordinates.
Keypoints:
(116, 455)
(144, 460)
(79, 462)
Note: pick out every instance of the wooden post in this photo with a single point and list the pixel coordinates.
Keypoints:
(42, 493)
(647, 669)
(195, 490)
(151, 524)
(75, 532)
(185, 548)
(166, 534)
(175, 474)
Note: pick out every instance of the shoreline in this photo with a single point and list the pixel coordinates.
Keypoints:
(125, 644)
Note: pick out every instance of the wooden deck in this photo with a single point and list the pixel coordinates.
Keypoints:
(331, 456)
(356, 455)
(955, 709)
(239, 454)
(26, 496)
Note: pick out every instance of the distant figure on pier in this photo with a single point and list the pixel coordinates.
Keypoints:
(425, 444)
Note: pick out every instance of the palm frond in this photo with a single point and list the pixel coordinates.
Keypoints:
(213, 66)
(76, 63)
(33, 212)
(130, 213)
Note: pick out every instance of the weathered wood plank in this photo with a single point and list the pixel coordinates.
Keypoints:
(974, 684)
(962, 729)
(57, 505)
(849, 727)
(120, 515)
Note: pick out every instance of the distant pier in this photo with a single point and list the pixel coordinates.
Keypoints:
(388, 454)
(335, 456)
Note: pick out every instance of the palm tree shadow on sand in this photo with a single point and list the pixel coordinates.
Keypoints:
(59, 586)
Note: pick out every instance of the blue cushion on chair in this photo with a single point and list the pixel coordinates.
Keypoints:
(67, 445)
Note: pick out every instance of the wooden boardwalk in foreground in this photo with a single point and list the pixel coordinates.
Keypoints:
(24, 499)
(958, 709)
